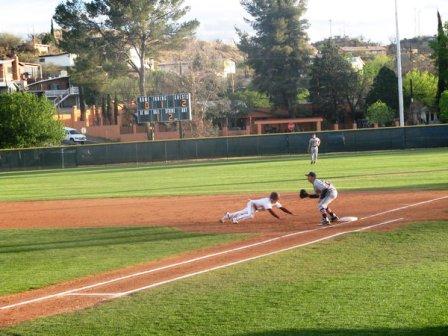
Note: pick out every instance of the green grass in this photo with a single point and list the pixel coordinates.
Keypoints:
(393, 283)
(396, 169)
(32, 259)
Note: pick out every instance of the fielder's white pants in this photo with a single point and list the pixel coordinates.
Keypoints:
(325, 203)
(314, 153)
(247, 213)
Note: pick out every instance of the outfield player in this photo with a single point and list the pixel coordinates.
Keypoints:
(254, 206)
(313, 148)
(326, 193)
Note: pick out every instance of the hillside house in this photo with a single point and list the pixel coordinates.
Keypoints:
(59, 90)
(64, 60)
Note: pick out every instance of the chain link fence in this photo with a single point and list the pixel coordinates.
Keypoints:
(211, 148)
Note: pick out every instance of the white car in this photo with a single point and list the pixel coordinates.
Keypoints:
(74, 137)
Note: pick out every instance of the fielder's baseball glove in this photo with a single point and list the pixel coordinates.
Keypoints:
(303, 194)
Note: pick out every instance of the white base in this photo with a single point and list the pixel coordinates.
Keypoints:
(347, 219)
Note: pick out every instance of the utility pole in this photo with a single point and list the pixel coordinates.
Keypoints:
(399, 68)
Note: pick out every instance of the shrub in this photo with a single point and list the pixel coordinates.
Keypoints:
(380, 113)
(28, 121)
(444, 107)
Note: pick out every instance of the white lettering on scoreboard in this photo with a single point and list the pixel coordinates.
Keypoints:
(164, 108)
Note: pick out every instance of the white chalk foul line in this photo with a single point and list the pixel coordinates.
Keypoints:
(252, 258)
(130, 276)
(73, 292)
(405, 207)
(154, 270)
(92, 294)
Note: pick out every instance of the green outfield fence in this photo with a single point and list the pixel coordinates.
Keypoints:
(225, 147)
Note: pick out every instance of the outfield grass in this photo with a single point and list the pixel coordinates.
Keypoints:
(395, 169)
(32, 259)
(393, 283)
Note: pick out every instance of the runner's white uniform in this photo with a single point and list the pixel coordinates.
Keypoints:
(332, 194)
(314, 148)
(254, 206)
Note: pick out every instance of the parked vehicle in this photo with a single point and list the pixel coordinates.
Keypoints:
(74, 137)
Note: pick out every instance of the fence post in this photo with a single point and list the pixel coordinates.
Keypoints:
(107, 155)
(166, 153)
(62, 158)
(77, 157)
(405, 138)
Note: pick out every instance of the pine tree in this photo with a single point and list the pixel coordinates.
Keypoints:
(104, 109)
(116, 109)
(279, 51)
(114, 27)
(82, 104)
(385, 89)
(334, 84)
(109, 109)
(52, 29)
(440, 55)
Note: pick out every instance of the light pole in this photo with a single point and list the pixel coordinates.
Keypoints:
(399, 69)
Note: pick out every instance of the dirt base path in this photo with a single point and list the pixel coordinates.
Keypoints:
(377, 211)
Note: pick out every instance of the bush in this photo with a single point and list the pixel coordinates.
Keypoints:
(28, 121)
(380, 113)
(444, 107)
(253, 99)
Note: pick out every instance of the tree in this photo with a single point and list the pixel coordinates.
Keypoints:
(109, 109)
(443, 105)
(104, 108)
(252, 99)
(82, 104)
(279, 51)
(52, 29)
(28, 121)
(422, 86)
(333, 83)
(345, 41)
(116, 109)
(440, 55)
(385, 89)
(235, 106)
(126, 88)
(380, 114)
(115, 27)
(9, 44)
(372, 68)
(92, 78)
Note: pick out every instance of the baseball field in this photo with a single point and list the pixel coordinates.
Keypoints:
(139, 250)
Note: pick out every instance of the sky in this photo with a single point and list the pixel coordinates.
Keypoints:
(374, 20)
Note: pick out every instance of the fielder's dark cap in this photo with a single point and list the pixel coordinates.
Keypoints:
(312, 174)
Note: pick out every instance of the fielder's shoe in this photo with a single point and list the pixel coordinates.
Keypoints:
(225, 218)
(325, 222)
(334, 219)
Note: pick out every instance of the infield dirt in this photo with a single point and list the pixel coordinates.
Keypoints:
(195, 214)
